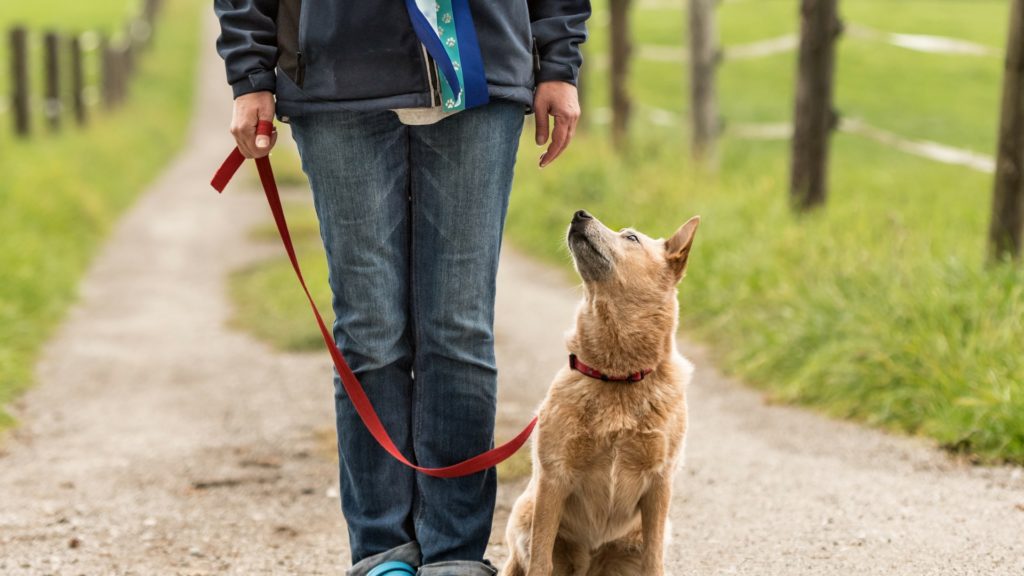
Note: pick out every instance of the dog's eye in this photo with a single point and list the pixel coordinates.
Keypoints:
(633, 238)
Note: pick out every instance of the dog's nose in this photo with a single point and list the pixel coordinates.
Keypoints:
(581, 215)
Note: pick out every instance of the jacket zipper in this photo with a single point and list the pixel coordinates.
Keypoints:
(300, 73)
(432, 84)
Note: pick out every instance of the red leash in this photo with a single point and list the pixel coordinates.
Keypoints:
(352, 386)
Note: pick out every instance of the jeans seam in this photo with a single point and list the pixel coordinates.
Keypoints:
(417, 501)
(324, 144)
(417, 326)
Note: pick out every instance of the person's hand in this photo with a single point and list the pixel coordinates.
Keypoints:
(249, 110)
(561, 101)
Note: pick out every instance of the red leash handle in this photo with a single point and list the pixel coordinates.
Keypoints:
(348, 379)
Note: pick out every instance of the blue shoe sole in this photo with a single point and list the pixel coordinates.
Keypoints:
(393, 569)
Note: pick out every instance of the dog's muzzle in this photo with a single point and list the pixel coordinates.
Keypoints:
(591, 262)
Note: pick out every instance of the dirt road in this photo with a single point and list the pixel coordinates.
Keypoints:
(160, 441)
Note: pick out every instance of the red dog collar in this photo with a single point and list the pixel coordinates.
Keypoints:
(579, 366)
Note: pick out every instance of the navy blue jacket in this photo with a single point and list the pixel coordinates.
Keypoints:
(320, 55)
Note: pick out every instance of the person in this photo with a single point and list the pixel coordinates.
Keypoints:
(407, 116)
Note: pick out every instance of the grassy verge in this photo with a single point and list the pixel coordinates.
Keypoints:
(268, 301)
(62, 194)
(878, 308)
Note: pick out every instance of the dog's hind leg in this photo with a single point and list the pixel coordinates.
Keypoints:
(517, 537)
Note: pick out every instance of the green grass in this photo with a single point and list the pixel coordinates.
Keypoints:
(981, 21)
(518, 467)
(880, 307)
(62, 194)
(70, 14)
(268, 300)
(953, 100)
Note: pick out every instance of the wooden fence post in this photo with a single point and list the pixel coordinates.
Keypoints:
(114, 81)
(704, 59)
(20, 81)
(1007, 225)
(149, 12)
(127, 47)
(814, 117)
(52, 105)
(125, 66)
(106, 72)
(621, 53)
(78, 80)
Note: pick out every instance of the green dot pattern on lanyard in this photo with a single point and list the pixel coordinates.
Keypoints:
(451, 96)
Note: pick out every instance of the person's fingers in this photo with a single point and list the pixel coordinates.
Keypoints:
(264, 143)
(571, 121)
(250, 144)
(540, 113)
(243, 128)
(249, 110)
(245, 133)
(272, 141)
(559, 140)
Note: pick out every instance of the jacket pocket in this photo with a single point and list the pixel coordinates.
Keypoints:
(359, 50)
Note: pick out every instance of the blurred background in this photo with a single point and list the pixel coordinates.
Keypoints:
(96, 100)
(860, 248)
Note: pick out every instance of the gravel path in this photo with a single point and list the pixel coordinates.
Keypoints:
(159, 441)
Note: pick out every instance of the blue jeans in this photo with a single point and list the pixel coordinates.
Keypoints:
(411, 218)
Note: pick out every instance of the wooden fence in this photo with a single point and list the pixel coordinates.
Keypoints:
(77, 71)
(815, 117)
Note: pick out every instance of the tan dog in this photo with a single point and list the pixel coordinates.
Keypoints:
(606, 450)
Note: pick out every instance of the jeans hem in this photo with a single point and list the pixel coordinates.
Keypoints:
(457, 568)
(408, 553)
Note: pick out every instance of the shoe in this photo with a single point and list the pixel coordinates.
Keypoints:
(392, 569)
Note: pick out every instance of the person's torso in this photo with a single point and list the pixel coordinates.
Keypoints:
(365, 54)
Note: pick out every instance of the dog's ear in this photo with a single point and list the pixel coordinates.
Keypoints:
(677, 248)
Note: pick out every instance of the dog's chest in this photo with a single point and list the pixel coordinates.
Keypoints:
(605, 501)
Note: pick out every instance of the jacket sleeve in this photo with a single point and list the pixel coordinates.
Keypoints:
(559, 27)
(248, 43)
